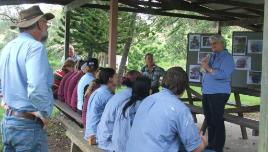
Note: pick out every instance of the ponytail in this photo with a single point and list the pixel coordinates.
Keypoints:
(140, 90)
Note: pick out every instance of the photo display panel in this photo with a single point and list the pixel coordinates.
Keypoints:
(198, 47)
(247, 52)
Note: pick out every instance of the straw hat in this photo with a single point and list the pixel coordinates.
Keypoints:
(30, 16)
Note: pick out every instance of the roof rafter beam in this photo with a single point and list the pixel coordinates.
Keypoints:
(252, 21)
(78, 3)
(232, 3)
(153, 12)
(18, 2)
(204, 10)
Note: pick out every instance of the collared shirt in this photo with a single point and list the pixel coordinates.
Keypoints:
(26, 76)
(62, 86)
(85, 80)
(106, 125)
(66, 86)
(154, 75)
(122, 126)
(162, 123)
(73, 82)
(219, 81)
(95, 108)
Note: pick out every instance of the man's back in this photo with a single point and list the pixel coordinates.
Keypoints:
(26, 77)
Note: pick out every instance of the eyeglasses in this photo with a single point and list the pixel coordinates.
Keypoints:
(48, 23)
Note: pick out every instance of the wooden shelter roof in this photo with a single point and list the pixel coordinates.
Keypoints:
(245, 13)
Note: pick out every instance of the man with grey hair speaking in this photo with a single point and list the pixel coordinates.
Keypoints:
(216, 89)
(26, 82)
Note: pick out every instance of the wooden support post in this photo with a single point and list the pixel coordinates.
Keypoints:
(113, 33)
(67, 34)
(219, 27)
(240, 114)
(191, 102)
(263, 138)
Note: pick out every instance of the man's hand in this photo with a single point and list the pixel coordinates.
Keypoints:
(44, 120)
(203, 138)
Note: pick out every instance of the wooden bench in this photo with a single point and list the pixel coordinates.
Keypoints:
(74, 131)
(246, 122)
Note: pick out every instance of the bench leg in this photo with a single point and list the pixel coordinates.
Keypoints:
(189, 94)
(255, 132)
(240, 114)
(75, 148)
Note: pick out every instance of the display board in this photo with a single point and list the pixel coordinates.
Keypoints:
(198, 48)
(247, 53)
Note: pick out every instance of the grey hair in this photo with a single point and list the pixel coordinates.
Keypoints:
(218, 38)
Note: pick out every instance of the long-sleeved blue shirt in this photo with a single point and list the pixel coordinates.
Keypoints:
(105, 127)
(122, 126)
(85, 80)
(95, 108)
(26, 76)
(162, 123)
(219, 81)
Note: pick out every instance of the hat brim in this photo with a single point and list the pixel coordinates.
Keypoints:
(28, 23)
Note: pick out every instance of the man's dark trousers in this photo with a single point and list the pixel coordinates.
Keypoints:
(213, 106)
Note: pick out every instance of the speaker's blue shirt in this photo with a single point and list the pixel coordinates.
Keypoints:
(219, 81)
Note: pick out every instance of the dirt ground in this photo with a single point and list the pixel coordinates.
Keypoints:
(58, 142)
(234, 141)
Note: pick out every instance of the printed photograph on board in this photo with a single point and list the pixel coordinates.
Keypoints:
(205, 42)
(239, 45)
(194, 42)
(255, 46)
(194, 73)
(254, 77)
(242, 62)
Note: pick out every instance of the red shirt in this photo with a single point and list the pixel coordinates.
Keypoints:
(67, 83)
(62, 86)
(58, 75)
(71, 88)
(74, 99)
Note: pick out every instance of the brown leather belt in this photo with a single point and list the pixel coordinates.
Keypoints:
(10, 112)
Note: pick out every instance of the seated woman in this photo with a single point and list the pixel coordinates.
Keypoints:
(89, 89)
(90, 72)
(105, 127)
(163, 122)
(68, 66)
(63, 85)
(126, 113)
(97, 102)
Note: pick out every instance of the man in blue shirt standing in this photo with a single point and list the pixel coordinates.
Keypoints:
(26, 82)
(216, 89)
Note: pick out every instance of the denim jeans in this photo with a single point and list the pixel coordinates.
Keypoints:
(23, 135)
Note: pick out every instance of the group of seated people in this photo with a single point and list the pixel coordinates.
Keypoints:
(135, 119)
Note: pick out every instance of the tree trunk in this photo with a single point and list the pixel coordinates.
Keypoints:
(263, 138)
(127, 46)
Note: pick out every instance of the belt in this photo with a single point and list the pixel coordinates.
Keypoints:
(10, 112)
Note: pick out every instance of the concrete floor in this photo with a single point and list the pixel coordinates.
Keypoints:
(234, 141)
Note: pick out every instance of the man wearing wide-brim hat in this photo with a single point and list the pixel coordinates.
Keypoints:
(26, 80)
